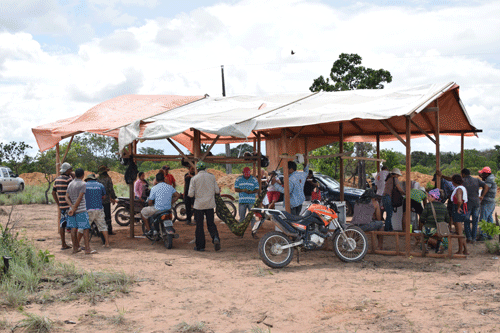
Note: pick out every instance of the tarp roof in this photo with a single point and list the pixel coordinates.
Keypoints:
(313, 114)
(235, 118)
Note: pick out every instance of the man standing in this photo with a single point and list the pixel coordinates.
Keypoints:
(106, 180)
(488, 195)
(94, 194)
(161, 197)
(188, 201)
(203, 188)
(78, 217)
(59, 194)
(380, 180)
(297, 181)
(169, 179)
(247, 186)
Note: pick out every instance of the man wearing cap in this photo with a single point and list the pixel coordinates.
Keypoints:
(203, 188)
(59, 194)
(296, 181)
(94, 194)
(161, 197)
(106, 180)
(488, 195)
(78, 218)
(169, 179)
(247, 186)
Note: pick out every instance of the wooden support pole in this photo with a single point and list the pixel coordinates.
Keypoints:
(423, 131)
(259, 167)
(462, 151)
(393, 131)
(285, 172)
(58, 160)
(438, 148)
(196, 146)
(210, 148)
(407, 220)
(378, 152)
(67, 149)
(132, 197)
(341, 167)
(254, 165)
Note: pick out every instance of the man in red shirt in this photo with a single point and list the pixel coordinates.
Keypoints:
(169, 179)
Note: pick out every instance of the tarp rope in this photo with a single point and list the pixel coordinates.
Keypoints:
(238, 228)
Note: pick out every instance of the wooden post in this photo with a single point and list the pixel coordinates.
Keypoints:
(259, 168)
(462, 151)
(378, 152)
(132, 198)
(229, 167)
(285, 172)
(254, 164)
(407, 220)
(58, 160)
(341, 150)
(438, 148)
(196, 146)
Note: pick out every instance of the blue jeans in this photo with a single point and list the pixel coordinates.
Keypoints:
(474, 213)
(487, 209)
(389, 209)
(242, 209)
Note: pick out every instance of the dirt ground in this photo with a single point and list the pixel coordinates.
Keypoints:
(232, 290)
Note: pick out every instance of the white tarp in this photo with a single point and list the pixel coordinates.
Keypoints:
(238, 116)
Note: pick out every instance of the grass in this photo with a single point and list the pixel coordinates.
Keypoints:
(190, 328)
(35, 323)
(119, 319)
(31, 195)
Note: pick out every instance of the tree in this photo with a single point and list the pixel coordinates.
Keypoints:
(348, 74)
(46, 164)
(14, 153)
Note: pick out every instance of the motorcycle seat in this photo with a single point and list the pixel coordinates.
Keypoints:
(306, 219)
(161, 212)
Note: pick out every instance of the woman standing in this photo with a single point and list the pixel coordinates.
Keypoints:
(392, 181)
(459, 210)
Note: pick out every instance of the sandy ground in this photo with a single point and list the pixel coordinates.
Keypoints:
(232, 290)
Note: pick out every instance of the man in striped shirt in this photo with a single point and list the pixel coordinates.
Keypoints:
(59, 193)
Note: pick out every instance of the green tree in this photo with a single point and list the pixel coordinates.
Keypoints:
(348, 74)
(45, 163)
(14, 154)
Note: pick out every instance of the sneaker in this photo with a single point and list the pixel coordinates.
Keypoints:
(217, 243)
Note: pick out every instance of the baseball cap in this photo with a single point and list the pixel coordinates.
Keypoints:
(246, 171)
(201, 165)
(65, 167)
(486, 169)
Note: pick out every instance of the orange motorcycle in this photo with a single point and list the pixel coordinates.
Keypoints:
(309, 231)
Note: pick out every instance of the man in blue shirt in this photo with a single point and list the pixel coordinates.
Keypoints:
(247, 186)
(160, 198)
(296, 181)
(94, 194)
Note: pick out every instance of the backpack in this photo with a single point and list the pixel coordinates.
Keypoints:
(396, 196)
(131, 173)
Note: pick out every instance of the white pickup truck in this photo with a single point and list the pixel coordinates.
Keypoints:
(9, 181)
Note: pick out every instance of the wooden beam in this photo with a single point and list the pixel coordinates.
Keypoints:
(67, 149)
(295, 135)
(205, 136)
(188, 135)
(407, 220)
(355, 124)
(341, 163)
(362, 158)
(180, 152)
(259, 168)
(321, 129)
(392, 130)
(285, 173)
(429, 109)
(131, 197)
(438, 148)
(426, 118)
(462, 151)
(378, 152)
(421, 130)
(209, 148)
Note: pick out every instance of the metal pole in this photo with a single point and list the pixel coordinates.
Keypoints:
(229, 167)
(223, 83)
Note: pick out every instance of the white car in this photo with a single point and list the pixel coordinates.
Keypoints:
(9, 181)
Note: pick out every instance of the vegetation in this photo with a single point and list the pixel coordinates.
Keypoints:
(492, 230)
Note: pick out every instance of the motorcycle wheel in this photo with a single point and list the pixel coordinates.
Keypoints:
(122, 217)
(354, 247)
(168, 241)
(271, 253)
(180, 212)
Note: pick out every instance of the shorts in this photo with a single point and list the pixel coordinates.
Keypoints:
(63, 222)
(273, 196)
(148, 211)
(97, 216)
(79, 221)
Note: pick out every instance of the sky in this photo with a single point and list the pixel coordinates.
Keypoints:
(58, 58)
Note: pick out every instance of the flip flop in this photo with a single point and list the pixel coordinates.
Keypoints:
(79, 250)
(91, 252)
(66, 247)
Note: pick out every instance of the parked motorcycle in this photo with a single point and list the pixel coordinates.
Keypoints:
(309, 232)
(181, 213)
(122, 211)
(162, 228)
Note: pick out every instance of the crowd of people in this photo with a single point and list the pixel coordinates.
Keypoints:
(460, 200)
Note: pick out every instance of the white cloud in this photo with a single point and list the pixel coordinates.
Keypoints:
(253, 39)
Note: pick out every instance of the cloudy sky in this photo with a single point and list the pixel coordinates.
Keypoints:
(58, 58)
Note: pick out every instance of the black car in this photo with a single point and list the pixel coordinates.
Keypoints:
(330, 188)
